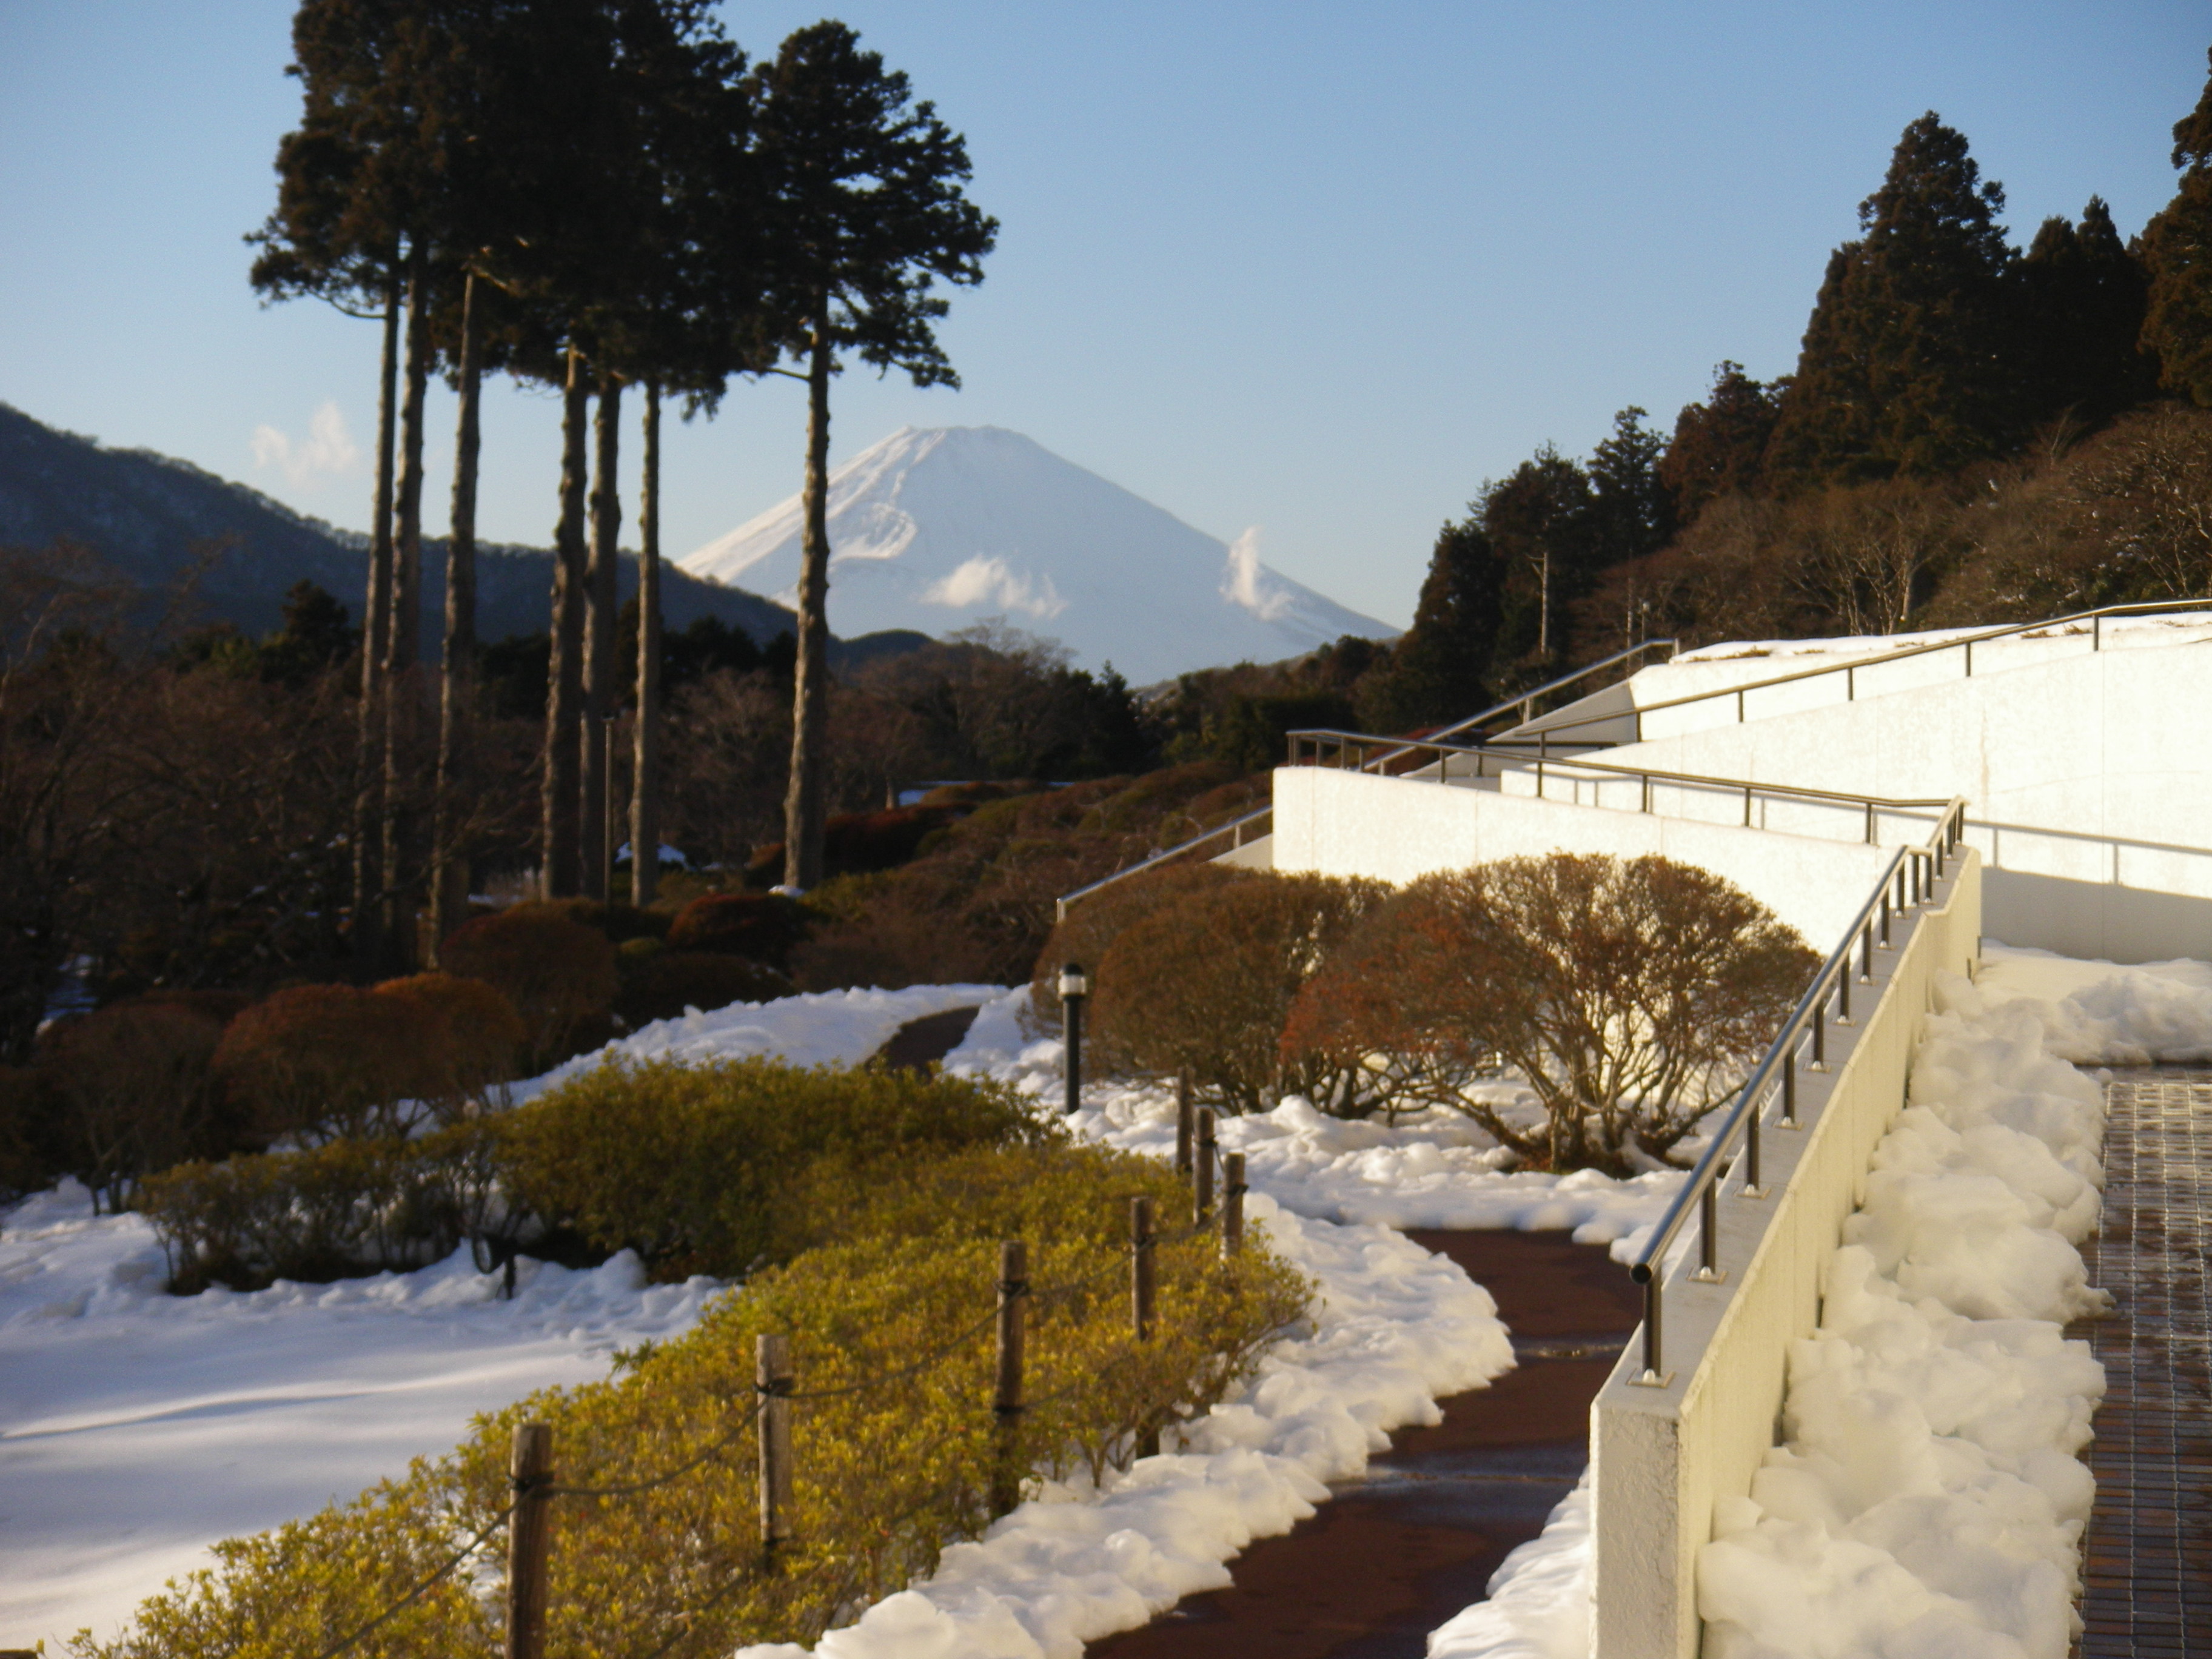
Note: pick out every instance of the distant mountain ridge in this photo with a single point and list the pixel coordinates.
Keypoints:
(144, 512)
(937, 528)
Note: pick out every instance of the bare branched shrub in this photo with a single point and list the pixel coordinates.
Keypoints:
(1094, 923)
(1631, 995)
(1203, 985)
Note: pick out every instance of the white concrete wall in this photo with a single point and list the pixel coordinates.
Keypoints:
(1664, 1455)
(1353, 824)
(2093, 771)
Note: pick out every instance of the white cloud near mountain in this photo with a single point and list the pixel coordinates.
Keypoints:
(327, 451)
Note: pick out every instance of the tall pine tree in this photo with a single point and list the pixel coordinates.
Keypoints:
(1719, 445)
(1439, 670)
(1905, 369)
(2082, 302)
(2177, 248)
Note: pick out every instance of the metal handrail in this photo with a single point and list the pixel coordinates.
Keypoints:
(1910, 879)
(1526, 702)
(1648, 774)
(1234, 828)
(1850, 670)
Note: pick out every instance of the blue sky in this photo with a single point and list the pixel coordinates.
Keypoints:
(1321, 269)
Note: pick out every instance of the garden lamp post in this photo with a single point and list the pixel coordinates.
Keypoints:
(1073, 988)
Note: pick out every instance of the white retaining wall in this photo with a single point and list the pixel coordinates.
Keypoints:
(1354, 823)
(1663, 1455)
(2090, 776)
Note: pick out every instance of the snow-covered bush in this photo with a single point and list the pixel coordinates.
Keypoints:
(1202, 985)
(1630, 994)
(885, 1476)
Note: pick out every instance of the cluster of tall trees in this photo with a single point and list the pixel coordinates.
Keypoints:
(1971, 430)
(596, 195)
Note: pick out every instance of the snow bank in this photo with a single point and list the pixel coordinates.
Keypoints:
(1439, 1169)
(817, 1028)
(2098, 1012)
(136, 1428)
(1397, 1328)
(1928, 1498)
(1537, 1605)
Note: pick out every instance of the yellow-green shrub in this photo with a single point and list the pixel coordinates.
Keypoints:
(885, 1477)
(702, 1168)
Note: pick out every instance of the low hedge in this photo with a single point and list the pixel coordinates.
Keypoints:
(715, 1168)
(885, 1477)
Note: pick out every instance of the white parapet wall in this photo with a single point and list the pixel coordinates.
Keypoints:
(2090, 771)
(1663, 1455)
(1355, 823)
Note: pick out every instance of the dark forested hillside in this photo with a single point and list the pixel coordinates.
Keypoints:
(152, 518)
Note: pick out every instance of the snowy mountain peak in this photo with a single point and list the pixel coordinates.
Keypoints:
(935, 528)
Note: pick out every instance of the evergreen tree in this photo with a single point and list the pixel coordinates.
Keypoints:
(2176, 249)
(1632, 512)
(1719, 445)
(2081, 300)
(864, 192)
(1439, 669)
(1905, 368)
(1539, 520)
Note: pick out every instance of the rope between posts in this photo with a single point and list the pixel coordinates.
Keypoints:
(426, 1586)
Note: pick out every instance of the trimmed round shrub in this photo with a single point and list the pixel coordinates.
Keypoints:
(764, 926)
(558, 973)
(1203, 985)
(479, 1037)
(323, 1061)
(662, 984)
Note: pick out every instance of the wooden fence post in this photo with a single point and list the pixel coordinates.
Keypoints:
(1203, 1170)
(1006, 1402)
(1232, 1205)
(772, 1411)
(1142, 1285)
(1183, 1124)
(528, 1534)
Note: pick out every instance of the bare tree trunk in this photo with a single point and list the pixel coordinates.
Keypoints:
(375, 640)
(803, 814)
(645, 786)
(564, 682)
(457, 657)
(403, 684)
(600, 603)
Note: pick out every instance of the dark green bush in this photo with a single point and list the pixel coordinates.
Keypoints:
(662, 984)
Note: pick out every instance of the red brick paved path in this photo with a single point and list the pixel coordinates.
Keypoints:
(2149, 1545)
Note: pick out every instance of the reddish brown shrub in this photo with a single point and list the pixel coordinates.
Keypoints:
(1203, 985)
(763, 926)
(1630, 995)
(321, 1062)
(1094, 923)
(477, 1036)
(137, 1086)
(662, 984)
(558, 973)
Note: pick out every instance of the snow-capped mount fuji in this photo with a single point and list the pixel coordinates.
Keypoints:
(936, 528)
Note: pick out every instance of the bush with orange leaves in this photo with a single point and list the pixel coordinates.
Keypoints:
(323, 1062)
(1630, 995)
(1203, 984)
(472, 1040)
(558, 973)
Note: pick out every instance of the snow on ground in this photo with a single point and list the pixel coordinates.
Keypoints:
(136, 1428)
(1438, 1170)
(1930, 1498)
(1398, 1327)
(814, 1029)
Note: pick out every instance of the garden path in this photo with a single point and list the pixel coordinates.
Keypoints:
(2148, 1551)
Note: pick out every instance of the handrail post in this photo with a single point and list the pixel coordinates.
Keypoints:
(1652, 1375)
(1870, 825)
(1866, 954)
(1789, 1085)
(1746, 807)
(1821, 1033)
(1709, 1243)
(1885, 916)
(1843, 994)
(1753, 1187)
